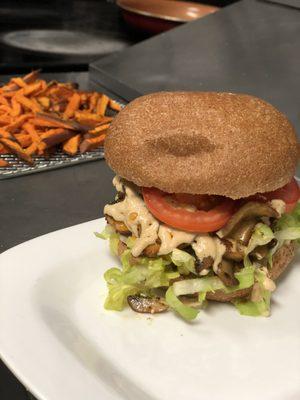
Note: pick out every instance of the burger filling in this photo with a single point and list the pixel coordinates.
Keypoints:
(177, 250)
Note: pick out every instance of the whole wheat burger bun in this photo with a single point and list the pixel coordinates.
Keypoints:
(202, 143)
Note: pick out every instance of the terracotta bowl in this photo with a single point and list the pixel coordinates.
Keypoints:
(156, 16)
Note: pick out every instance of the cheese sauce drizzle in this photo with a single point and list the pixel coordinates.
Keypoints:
(133, 212)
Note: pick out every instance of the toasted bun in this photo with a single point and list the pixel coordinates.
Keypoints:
(281, 260)
(203, 143)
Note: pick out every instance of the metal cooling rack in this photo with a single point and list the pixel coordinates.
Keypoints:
(58, 159)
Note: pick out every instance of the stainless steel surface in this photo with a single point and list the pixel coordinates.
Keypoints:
(249, 47)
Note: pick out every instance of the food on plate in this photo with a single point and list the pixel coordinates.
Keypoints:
(39, 117)
(206, 205)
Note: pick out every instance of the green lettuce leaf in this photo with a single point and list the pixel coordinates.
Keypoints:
(113, 243)
(197, 285)
(110, 234)
(288, 234)
(141, 278)
(117, 297)
(184, 261)
(186, 312)
(256, 308)
(105, 234)
(245, 277)
(288, 226)
(213, 283)
(262, 235)
(252, 309)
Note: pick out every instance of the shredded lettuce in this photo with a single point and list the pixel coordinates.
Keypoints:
(262, 235)
(117, 297)
(110, 234)
(261, 307)
(186, 312)
(113, 243)
(147, 274)
(190, 286)
(288, 234)
(245, 277)
(213, 283)
(105, 234)
(288, 226)
(184, 261)
(202, 299)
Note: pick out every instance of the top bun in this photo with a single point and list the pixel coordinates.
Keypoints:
(227, 144)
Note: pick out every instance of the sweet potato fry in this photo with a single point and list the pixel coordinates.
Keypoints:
(32, 149)
(56, 136)
(91, 144)
(35, 138)
(72, 106)
(3, 149)
(16, 149)
(5, 134)
(99, 129)
(23, 139)
(6, 109)
(32, 88)
(43, 119)
(93, 102)
(71, 145)
(44, 102)
(16, 108)
(114, 105)
(37, 117)
(18, 123)
(102, 105)
(3, 163)
(5, 120)
(28, 103)
(19, 82)
(29, 78)
(4, 101)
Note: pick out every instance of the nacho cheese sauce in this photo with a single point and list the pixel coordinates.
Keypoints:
(135, 215)
(172, 238)
(133, 212)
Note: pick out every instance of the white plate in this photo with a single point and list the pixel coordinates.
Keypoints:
(60, 342)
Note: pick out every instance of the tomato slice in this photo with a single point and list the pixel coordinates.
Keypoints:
(174, 215)
(289, 193)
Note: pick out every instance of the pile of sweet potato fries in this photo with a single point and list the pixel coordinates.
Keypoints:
(37, 118)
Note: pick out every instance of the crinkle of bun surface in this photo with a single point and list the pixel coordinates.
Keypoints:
(227, 144)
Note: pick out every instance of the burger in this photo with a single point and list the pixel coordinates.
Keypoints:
(206, 205)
